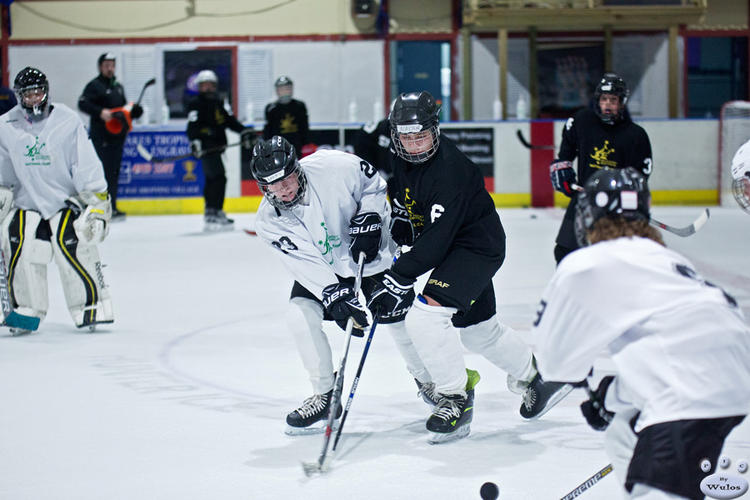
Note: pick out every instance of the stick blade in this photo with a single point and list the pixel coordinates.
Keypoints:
(150, 82)
(144, 152)
(312, 468)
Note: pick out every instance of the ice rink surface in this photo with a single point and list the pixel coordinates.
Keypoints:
(184, 396)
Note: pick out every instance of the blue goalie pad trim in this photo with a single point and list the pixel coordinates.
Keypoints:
(16, 320)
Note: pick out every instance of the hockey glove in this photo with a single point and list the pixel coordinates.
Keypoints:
(563, 176)
(248, 139)
(597, 416)
(93, 212)
(196, 148)
(402, 231)
(136, 111)
(364, 231)
(391, 298)
(341, 303)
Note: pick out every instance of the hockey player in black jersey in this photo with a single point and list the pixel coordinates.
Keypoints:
(441, 209)
(602, 137)
(373, 145)
(287, 116)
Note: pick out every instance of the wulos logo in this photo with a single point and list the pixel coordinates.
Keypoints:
(721, 484)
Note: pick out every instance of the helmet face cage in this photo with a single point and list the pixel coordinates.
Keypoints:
(611, 193)
(413, 114)
(741, 191)
(30, 80)
(611, 84)
(274, 161)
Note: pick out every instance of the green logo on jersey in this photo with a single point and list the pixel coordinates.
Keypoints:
(35, 154)
(329, 243)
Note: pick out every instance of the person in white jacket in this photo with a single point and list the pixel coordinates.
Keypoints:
(679, 344)
(53, 201)
(741, 176)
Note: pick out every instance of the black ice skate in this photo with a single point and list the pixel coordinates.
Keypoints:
(216, 220)
(427, 392)
(541, 396)
(451, 417)
(313, 410)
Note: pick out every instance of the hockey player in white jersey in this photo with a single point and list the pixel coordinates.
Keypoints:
(318, 213)
(741, 176)
(679, 344)
(53, 202)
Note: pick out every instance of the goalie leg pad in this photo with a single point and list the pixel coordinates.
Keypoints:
(502, 346)
(27, 254)
(305, 321)
(86, 293)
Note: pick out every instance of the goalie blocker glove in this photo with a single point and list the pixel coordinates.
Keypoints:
(563, 176)
(364, 231)
(402, 230)
(392, 297)
(597, 416)
(341, 303)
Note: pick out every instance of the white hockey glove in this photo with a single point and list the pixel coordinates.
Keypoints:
(94, 212)
(196, 148)
(6, 202)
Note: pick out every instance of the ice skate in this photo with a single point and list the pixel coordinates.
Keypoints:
(311, 417)
(217, 221)
(17, 332)
(452, 415)
(541, 396)
(427, 392)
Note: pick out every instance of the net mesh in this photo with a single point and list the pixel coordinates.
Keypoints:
(734, 132)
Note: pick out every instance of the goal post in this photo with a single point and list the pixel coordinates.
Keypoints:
(734, 131)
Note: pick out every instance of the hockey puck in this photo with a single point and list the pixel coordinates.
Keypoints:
(533, 216)
(489, 491)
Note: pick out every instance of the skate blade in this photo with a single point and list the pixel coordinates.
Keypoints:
(447, 437)
(17, 332)
(307, 431)
(218, 228)
(556, 398)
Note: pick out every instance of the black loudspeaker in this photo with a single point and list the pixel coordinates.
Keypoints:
(363, 8)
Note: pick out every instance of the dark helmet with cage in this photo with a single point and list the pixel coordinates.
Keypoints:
(274, 165)
(284, 88)
(32, 89)
(611, 83)
(611, 192)
(415, 126)
(741, 176)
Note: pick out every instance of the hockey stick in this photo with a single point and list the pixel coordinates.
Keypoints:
(321, 464)
(151, 159)
(355, 383)
(588, 483)
(10, 317)
(145, 86)
(526, 143)
(684, 231)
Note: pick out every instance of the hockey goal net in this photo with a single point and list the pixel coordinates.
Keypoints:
(734, 131)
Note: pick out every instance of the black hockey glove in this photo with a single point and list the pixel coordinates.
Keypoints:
(402, 231)
(136, 111)
(248, 138)
(391, 299)
(196, 148)
(341, 303)
(563, 176)
(364, 231)
(597, 416)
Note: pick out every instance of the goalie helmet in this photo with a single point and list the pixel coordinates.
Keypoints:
(274, 165)
(413, 115)
(611, 83)
(206, 75)
(741, 176)
(611, 192)
(32, 89)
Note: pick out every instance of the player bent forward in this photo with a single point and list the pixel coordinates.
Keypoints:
(53, 201)
(679, 343)
(741, 176)
(319, 213)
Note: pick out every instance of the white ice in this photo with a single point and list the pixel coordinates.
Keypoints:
(184, 396)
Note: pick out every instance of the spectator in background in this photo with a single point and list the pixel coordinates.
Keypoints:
(101, 99)
(287, 117)
(7, 99)
(373, 144)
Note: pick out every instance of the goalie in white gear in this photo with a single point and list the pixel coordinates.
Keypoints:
(741, 176)
(318, 213)
(54, 203)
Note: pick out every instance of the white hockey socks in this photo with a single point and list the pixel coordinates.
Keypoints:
(305, 322)
(409, 353)
(436, 340)
(502, 346)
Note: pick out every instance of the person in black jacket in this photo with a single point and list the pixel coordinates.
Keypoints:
(207, 122)
(99, 99)
(373, 144)
(7, 99)
(602, 137)
(286, 116)
(441, 209)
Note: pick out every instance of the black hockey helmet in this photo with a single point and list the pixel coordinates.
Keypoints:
(283, 80)
(27, 80)
(611, 83)
(274, 161)
(612, 192)
(414, 113)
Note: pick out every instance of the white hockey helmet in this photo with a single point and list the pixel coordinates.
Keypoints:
(741, 176)
(206, 75)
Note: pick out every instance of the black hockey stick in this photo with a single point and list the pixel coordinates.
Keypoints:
(145, 86)
(526, 143)
(355, 383)
(684, 231)
(588, 483)
(321, 464)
